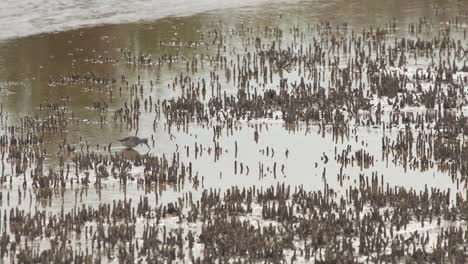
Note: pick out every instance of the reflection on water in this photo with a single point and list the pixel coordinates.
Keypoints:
(90, 79)
(37, 70)
(130, 154)
(28, 65)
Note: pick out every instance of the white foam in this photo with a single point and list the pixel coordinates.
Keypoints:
(21, 18)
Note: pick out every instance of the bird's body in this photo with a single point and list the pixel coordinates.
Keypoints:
(131, 142)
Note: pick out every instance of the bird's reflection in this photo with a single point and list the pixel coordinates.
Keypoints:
(130, 154)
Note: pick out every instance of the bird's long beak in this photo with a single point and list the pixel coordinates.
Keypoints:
(147, 145)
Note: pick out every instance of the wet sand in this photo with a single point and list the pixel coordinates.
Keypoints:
(308, 132)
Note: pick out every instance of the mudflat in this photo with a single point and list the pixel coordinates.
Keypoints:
(279, 131)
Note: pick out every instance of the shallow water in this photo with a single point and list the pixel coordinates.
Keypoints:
(28, 65)
(32, 65)
(35, 65)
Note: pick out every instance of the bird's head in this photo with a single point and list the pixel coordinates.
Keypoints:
(145, 141)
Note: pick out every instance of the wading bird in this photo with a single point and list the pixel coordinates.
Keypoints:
(131, 142)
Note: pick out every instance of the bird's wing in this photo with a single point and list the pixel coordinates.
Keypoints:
(124, 139)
